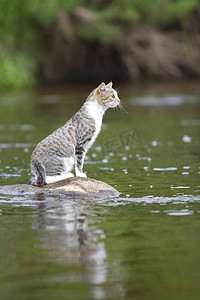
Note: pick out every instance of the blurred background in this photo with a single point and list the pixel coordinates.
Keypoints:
(73, 41)
(144, 244)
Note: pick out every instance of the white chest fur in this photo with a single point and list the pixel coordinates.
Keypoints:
(96, 111)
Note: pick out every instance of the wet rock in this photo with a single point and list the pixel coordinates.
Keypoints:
(76, 187)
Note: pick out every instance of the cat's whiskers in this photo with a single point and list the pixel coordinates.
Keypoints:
(121, 108)
(117, 90)
(125, 103)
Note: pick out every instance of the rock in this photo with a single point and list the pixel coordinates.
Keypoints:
(75, 187)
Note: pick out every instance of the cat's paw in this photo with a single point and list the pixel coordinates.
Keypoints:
(35, 182)
(81, 174)
(32, 181)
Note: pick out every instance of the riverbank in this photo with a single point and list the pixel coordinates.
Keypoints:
(141, 52)
(75, 41)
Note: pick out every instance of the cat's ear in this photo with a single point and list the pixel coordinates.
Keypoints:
(109, 85)
(101, 88)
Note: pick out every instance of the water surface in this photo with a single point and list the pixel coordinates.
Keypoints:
(145, 244)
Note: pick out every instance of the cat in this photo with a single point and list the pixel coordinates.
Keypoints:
(54, 157)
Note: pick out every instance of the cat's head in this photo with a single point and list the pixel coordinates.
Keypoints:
(106, 96)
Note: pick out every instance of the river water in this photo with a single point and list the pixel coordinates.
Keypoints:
(145, 244)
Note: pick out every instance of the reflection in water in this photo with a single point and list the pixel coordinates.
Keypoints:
(153, 243)
(63, 226)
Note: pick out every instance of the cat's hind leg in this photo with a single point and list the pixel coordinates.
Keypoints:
(60, 170)
(39, 172)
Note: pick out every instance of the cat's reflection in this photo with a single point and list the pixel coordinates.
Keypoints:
(63, 226)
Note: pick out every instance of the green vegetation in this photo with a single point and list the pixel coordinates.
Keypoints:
(151, 12)
(23, 22)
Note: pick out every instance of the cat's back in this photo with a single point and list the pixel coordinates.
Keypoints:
(63, 140)
(57, 142)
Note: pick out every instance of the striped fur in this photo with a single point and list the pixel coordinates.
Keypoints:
(55, 156)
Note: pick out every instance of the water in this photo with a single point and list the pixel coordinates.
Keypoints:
(145, 244)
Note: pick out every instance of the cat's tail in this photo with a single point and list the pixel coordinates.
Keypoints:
(38, 170)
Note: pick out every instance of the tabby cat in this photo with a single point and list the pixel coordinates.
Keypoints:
(54, 157)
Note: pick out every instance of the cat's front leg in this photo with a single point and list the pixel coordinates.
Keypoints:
(80, 174)
(80, 155)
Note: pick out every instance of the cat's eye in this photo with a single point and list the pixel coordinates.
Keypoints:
(113, 96)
